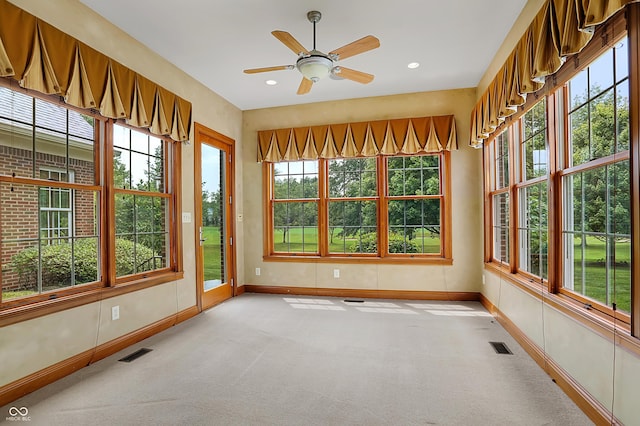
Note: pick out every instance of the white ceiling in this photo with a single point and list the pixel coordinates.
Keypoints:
(214, 40)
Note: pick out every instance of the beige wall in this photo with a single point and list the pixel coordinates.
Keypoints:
(585, 355)
(44, 341)
(463, 275)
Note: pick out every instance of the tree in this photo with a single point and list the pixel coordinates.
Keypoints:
(350, 179)
(601, 196)
(415, 175)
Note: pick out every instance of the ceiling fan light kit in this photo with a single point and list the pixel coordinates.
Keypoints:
(315, 65)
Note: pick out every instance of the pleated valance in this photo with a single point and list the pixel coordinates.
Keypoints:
(363, 139)
(560, 29)
(43, 58)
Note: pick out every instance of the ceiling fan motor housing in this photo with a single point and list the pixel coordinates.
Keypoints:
(315, 66)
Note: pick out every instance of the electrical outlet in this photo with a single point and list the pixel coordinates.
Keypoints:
(115, 312)
(257, 271)
(336, 273)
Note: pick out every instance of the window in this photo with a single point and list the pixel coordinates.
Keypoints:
(295, 208)
(365, 207)
(414, 204)
(55, 206)
(353, 206)
(596, 224)
(53, 209)
(572, 141)
(499, 195)
(533, 203)
(141, 201)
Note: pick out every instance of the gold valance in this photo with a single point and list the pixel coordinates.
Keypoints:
(363, 139)
(43, 58)
(560, 29)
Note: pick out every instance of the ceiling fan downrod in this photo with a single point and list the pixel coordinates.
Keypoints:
(313, 17)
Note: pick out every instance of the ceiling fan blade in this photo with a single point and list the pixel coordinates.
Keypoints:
(288, 40)
(355, 48)
(305, 86)
(358, 76)
(267, 69)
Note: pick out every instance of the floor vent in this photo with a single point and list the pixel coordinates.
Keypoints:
(137, 354)
(354, 300)
(501, 348)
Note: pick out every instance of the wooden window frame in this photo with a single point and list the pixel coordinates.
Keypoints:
(21, 309)
(595, 315)
(444, 257)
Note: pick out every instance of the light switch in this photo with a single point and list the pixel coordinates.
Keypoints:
(186, 217)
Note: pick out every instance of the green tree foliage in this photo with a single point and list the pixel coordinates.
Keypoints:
(211, 207)
(141, 215)
(600, 128)
(349, 179)
(415, 175)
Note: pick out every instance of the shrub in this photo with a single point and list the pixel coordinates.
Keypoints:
(56, 262)
(368, 243)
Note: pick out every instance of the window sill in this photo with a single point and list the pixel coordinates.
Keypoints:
(360, 259)
(597, 321)
(13, 315)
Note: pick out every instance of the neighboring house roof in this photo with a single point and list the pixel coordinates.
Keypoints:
(50, 118)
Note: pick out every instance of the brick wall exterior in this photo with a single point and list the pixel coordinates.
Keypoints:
(19, 203)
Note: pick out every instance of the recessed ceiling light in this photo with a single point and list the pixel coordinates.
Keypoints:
(271, 82)
(413, 65)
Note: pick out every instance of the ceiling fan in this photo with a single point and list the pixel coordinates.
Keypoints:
(314, 65)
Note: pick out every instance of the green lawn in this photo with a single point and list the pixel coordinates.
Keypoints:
(339, 244)
(212, 256)
(595, 285)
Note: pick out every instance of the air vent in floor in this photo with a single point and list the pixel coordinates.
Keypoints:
(137, 354)
(501, 348)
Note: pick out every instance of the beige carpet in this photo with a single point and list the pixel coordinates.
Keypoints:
(275, 360)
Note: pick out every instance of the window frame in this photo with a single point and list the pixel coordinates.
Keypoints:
(551, 290)
(323, 254)
(24, 308)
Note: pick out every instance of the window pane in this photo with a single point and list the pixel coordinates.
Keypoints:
(121, 168)
(579, 138)
(532, 229)
(295, 227)
(141, 233)
(501, 227)
(621, 51)
(415, 175)
(600, 116)
(534, 152)
(135, 167)
(622, 116)
(578, 94)
(601, 74)
(296, 179)
(502, 160)
(352, 177)
(20, 240)
(48, 246)
(352, 227)
(414, 226)
(597, 242)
